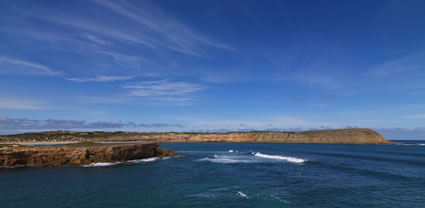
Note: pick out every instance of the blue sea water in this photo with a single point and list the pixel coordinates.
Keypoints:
(232, 175)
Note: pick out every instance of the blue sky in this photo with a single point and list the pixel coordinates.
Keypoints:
(213, 65)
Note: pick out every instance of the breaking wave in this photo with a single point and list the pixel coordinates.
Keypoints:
(254, 158)
(228, 159)
(278, 157)
(105, 164)
(242, 194)
(101, 164)
(152, 159)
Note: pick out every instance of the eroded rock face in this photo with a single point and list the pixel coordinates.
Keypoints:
(53, 156)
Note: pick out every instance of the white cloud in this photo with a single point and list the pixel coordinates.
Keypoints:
(104, 29)
(136, 37)
(23, 124)
(97, 39)
(405, 64)
(19, 104)
(100, 79)
(162, 88)
(164, 91)
(150, 26)
(124, 57)
(28, 65)
(182, 39)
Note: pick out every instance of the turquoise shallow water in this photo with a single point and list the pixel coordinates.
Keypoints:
(212, 176)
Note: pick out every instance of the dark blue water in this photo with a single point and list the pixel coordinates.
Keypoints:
(211, 176)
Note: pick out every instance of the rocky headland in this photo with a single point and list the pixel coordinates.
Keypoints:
(13, 155)
(334, 136)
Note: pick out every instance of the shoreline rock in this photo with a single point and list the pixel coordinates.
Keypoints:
(77, 154)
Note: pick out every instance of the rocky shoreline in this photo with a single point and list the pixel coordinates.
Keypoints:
(83, 148)
(77, 154)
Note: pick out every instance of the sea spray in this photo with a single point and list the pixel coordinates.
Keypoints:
(278, 157)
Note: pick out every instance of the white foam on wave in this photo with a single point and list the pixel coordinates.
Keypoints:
(231, 151)
(279, 199)
(242, 194)
(223, 160)
(101, 164)
(413, 144)
(278, 157)
(229, 159)
(152, 159)
(105, 164)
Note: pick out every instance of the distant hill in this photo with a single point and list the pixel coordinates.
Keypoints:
(334, 136)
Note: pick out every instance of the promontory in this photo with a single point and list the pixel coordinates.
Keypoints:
(76, 154)
(334, 136)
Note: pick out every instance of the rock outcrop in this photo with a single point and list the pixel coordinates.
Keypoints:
(335, 136)
(77, 154)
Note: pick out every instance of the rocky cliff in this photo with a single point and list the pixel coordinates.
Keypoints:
(336, 136)
(76, 154)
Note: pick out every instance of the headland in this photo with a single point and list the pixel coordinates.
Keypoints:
(334, 136)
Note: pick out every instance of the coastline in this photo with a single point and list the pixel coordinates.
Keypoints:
(77, 154)
(333, 136)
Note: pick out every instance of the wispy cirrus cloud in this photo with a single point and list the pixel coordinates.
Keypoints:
(162, 88)
(12, 64)
(137, 38)
(146, 25)
(100, 79)
(176, 36)
(405, 64)
(165, 91)
(97, 40)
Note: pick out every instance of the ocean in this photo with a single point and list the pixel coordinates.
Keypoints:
(232, 175)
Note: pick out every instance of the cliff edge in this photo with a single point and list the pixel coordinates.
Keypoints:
(76, 154)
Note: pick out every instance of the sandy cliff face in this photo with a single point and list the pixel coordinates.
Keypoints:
(52, 156)
(337, 136)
